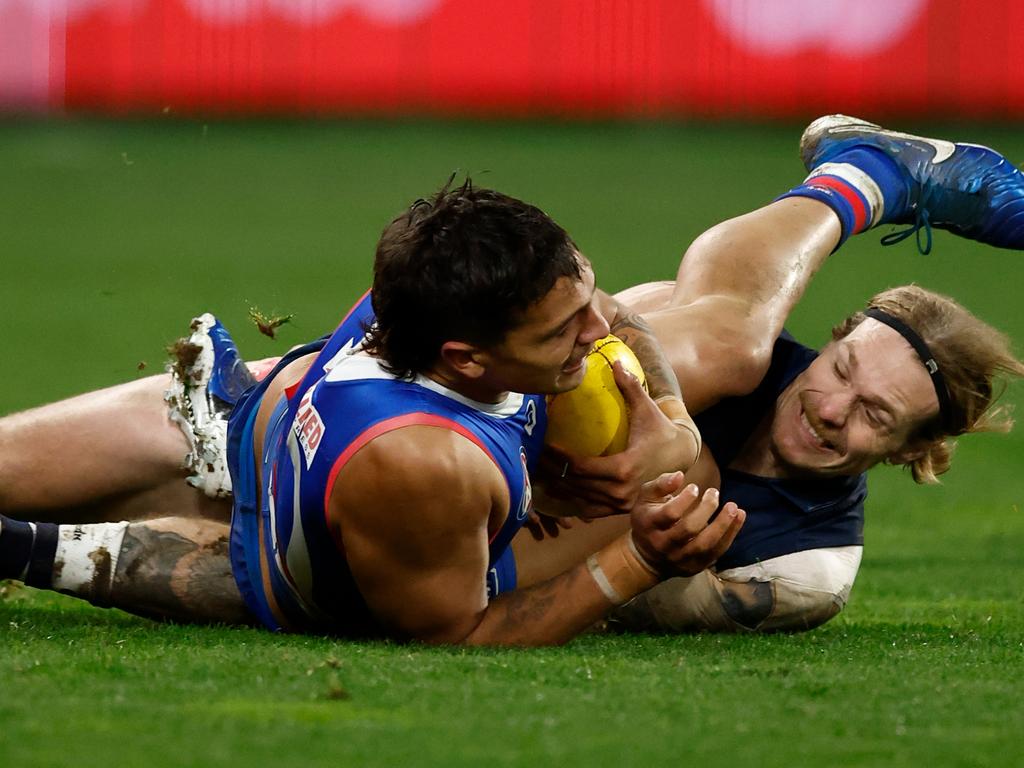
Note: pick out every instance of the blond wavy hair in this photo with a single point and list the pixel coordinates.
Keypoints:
(975, 359)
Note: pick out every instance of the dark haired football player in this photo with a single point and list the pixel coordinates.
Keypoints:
(788, 432)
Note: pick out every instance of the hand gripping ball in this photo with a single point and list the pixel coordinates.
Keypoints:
(592, 420)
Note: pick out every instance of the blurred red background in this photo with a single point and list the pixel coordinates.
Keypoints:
(563, 58)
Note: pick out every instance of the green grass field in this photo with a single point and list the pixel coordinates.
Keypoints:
(115, 234)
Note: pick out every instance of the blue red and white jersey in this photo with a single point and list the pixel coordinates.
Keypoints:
(288, 564)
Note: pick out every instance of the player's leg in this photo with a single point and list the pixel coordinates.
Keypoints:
(88, 449)
(123, 452)
(739, 281)
(168, 568)
(790, 593)
(968, 189)
(735, 287)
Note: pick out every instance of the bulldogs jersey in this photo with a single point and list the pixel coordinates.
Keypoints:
(291, 571)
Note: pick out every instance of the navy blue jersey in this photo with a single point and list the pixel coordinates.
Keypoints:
(783, 515)
(288, 563)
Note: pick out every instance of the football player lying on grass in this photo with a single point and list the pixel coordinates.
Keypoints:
(370, 546)
(377, 474)
(788, 433)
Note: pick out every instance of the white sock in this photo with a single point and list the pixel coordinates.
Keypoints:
(860, 181)
(86, 558)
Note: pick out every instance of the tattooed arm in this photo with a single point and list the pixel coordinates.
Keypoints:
(662, 435)
(634, 330)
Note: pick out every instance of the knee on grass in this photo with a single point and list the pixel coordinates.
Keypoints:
(791, 593)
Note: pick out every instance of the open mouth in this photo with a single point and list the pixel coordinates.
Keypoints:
(570, 368)
(816, 439)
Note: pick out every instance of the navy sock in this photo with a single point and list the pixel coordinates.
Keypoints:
(27, 551)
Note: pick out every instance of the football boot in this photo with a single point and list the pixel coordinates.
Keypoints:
(967, 189)
(207, 378)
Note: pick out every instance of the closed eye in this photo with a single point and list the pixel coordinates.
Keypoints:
(878, 418)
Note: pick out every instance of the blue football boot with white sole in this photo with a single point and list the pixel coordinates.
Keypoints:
(967, 189)
(207, 378)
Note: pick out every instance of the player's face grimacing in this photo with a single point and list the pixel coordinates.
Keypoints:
(856, 405)
(545, 353)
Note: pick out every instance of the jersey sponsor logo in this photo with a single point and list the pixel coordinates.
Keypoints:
(526, 502)
(308, 427)
(531, 417)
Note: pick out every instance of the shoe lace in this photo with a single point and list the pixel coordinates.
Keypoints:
(921, 224)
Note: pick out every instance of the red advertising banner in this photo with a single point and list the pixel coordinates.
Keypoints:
(566, 58)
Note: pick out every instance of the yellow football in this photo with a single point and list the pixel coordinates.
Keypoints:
(592, 420)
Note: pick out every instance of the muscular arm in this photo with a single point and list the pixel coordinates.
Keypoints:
(415, 509)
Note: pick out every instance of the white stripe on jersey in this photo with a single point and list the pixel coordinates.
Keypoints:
(359, 365)
(297, 555)
(284, 571)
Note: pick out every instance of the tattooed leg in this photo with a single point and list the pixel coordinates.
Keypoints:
(176, 568)
(169, 568)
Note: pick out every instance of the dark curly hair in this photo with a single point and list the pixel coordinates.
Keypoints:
(461, 266)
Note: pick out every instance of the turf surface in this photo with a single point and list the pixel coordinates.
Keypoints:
(115, 234)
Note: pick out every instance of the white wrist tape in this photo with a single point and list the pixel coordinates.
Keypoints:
(620, 571)
(631, 543)
(602, 581)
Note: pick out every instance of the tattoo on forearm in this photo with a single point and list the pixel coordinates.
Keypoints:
(165, 575)
(528, 608)
(661, 379)
(541, 614)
